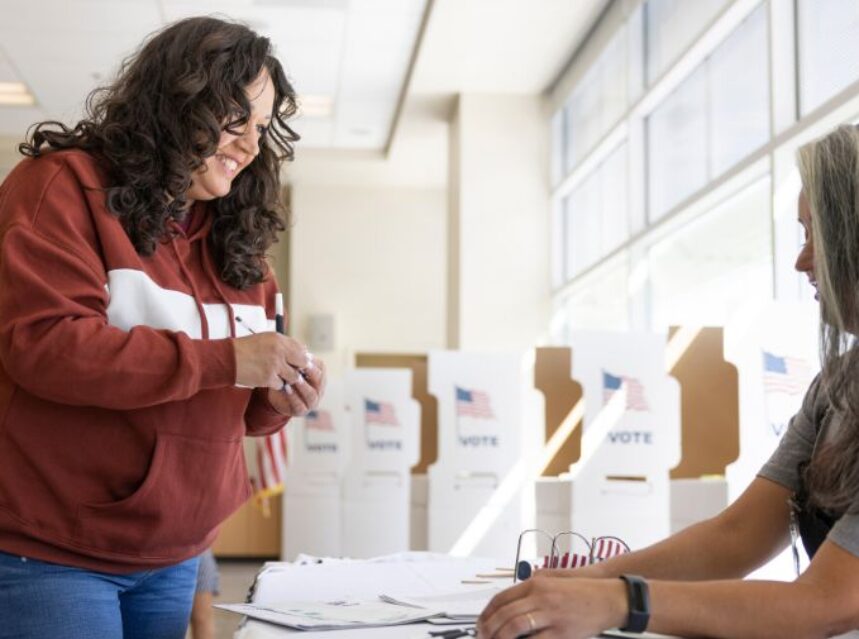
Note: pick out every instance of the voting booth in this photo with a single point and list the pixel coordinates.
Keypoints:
(630, 436)
(312, 498)
(384, 431)
(563, 400)
(490, 419)
(709, 422)
(774, 347)
(418, 364)
(709, 428)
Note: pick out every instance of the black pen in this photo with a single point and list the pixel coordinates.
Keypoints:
(278, 322)
(278, 313)
(279, 327)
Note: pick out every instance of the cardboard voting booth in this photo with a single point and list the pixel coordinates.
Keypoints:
(631, 436)
(418, 365)
(384, 427)
(490, 424)
(710, 423)
(564, 401)
(318, 452)
(419, 513)
(774, 347)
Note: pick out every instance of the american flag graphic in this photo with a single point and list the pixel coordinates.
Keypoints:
(473, 403)
(788, 375)
(267, 473)
(381, 413)
(634, 390)
(319, 420)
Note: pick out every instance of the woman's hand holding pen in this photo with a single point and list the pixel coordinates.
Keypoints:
(282, 364)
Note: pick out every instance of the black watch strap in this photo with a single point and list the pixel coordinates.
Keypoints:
(638, 595)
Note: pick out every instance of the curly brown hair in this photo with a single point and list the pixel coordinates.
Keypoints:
(155, 124)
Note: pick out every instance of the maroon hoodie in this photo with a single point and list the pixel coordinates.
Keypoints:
(120, 422)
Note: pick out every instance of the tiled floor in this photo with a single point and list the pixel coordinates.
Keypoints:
(236, 578)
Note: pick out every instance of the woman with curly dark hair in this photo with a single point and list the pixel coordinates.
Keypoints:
(136, 333)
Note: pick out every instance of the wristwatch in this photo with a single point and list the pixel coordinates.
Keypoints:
(638, 595)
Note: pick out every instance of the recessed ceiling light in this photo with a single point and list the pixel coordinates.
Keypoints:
(15, 93)
(16, 99)
(315, 106)
(13, 87)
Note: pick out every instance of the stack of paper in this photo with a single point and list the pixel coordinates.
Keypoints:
(390, 611)
(332, 616)
(460, 606)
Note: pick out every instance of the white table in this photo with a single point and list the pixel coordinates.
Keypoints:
(403, 574)
(406, 573)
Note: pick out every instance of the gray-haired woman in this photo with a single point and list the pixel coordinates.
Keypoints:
(693, 583)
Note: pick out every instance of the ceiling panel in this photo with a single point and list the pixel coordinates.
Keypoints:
(313, 68)
(8, 73)
(371, 74)
(320, 129)
(500, 46)
(78, 16)
(363, 122)
(340, 49)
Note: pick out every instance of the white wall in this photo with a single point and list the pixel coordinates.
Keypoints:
(373, 258)
(368, 243)
(499, 216)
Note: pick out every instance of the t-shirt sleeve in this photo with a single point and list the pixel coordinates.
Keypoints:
(797, 444)
(845, 533)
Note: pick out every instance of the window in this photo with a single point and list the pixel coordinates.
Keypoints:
(647, 238)
(710, 266)
(671, 26)
(677, 145)
(597, 213)
(739, 94)
(828, 49)
(716, 117)
(601, 302)
(598, 101)
(581, 212)
(603, 95)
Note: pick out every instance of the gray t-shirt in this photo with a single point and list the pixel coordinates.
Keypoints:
(797, 446)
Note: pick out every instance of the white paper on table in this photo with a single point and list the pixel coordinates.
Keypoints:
(364, 581)
(304, 615)
(455, 605)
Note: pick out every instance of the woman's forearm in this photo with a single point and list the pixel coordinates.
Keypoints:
(729, 555)
(747, 609)
(745, 536)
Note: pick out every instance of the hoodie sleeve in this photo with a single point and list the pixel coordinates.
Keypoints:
(55, 340)
(261, 418)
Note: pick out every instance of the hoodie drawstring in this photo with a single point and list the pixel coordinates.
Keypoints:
(204, 321)
(211, 271)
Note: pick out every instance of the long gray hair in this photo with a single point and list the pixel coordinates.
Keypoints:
(829, 168)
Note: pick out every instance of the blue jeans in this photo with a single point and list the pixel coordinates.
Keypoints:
(40, 599)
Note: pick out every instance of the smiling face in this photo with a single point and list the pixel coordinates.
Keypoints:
(236, 150)
(805, 259)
